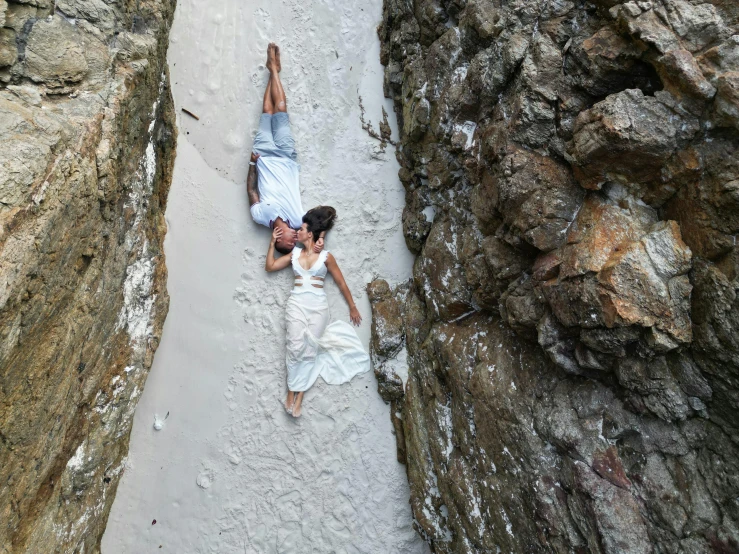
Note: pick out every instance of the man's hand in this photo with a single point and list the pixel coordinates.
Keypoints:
(318, 246)
(254, 157)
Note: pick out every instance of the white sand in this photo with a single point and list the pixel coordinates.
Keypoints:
(230, 471)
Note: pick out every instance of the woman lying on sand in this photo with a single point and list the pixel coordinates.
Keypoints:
(315, 346)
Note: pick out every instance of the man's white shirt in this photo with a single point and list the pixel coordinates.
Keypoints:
(279, 192)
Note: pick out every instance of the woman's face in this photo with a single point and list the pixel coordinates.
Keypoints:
(304, 234)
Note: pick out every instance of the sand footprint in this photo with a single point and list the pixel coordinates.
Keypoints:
(290, 506)
(322, 423)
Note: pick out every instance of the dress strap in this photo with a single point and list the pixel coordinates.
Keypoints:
(294, 259)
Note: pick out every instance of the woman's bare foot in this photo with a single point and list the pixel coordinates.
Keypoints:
(296, 407)
(277, 58)
(289, 402)
(271, 57)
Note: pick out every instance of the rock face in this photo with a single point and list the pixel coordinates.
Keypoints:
(564, 364)
(87, 133)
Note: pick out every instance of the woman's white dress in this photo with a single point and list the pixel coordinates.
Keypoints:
(315, 346)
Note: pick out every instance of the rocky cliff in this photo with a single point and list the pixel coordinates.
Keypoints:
(87, 134)
(564, 364)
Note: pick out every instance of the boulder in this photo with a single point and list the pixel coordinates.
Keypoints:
(537, 198)
(628, 136)
(54, 53)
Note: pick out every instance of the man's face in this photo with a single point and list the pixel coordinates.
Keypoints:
(287, 240)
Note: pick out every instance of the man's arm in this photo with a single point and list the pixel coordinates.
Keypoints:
(252, 189)
(318, 246)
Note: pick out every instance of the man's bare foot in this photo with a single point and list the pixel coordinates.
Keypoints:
(277, 58)
(271, 57)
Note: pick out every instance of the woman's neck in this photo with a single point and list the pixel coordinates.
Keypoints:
(308, 245)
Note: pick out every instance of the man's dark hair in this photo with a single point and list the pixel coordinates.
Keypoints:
(319, 219)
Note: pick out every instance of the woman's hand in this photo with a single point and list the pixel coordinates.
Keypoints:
(354, 316)
(283, 261)
(276, 234)
(254, 157)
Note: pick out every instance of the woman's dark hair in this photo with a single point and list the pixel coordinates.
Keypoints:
(319, 219)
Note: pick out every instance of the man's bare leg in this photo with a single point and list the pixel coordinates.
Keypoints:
(279, 100)
(267, 104)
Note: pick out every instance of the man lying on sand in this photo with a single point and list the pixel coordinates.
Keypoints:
(275, 201)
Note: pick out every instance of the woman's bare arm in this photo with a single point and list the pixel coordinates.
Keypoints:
(279, 263)
(333, 269)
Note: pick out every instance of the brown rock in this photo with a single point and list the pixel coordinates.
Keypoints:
(601, 229)
(387, 322)
(707, 208)
(537, 198)
(607, 514)
(438, 273)
(547, 266)
(572, 375)
(607, 61)
(645, 284)
(682, 76)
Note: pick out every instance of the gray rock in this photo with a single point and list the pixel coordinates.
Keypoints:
(727, 98)
(96, 12)
(54, 53)
(627, 136)
(37, 3)
(8, 50)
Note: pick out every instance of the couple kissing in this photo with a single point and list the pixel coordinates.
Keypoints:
(315, 344)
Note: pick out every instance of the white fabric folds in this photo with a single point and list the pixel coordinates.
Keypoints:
(316, 347)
